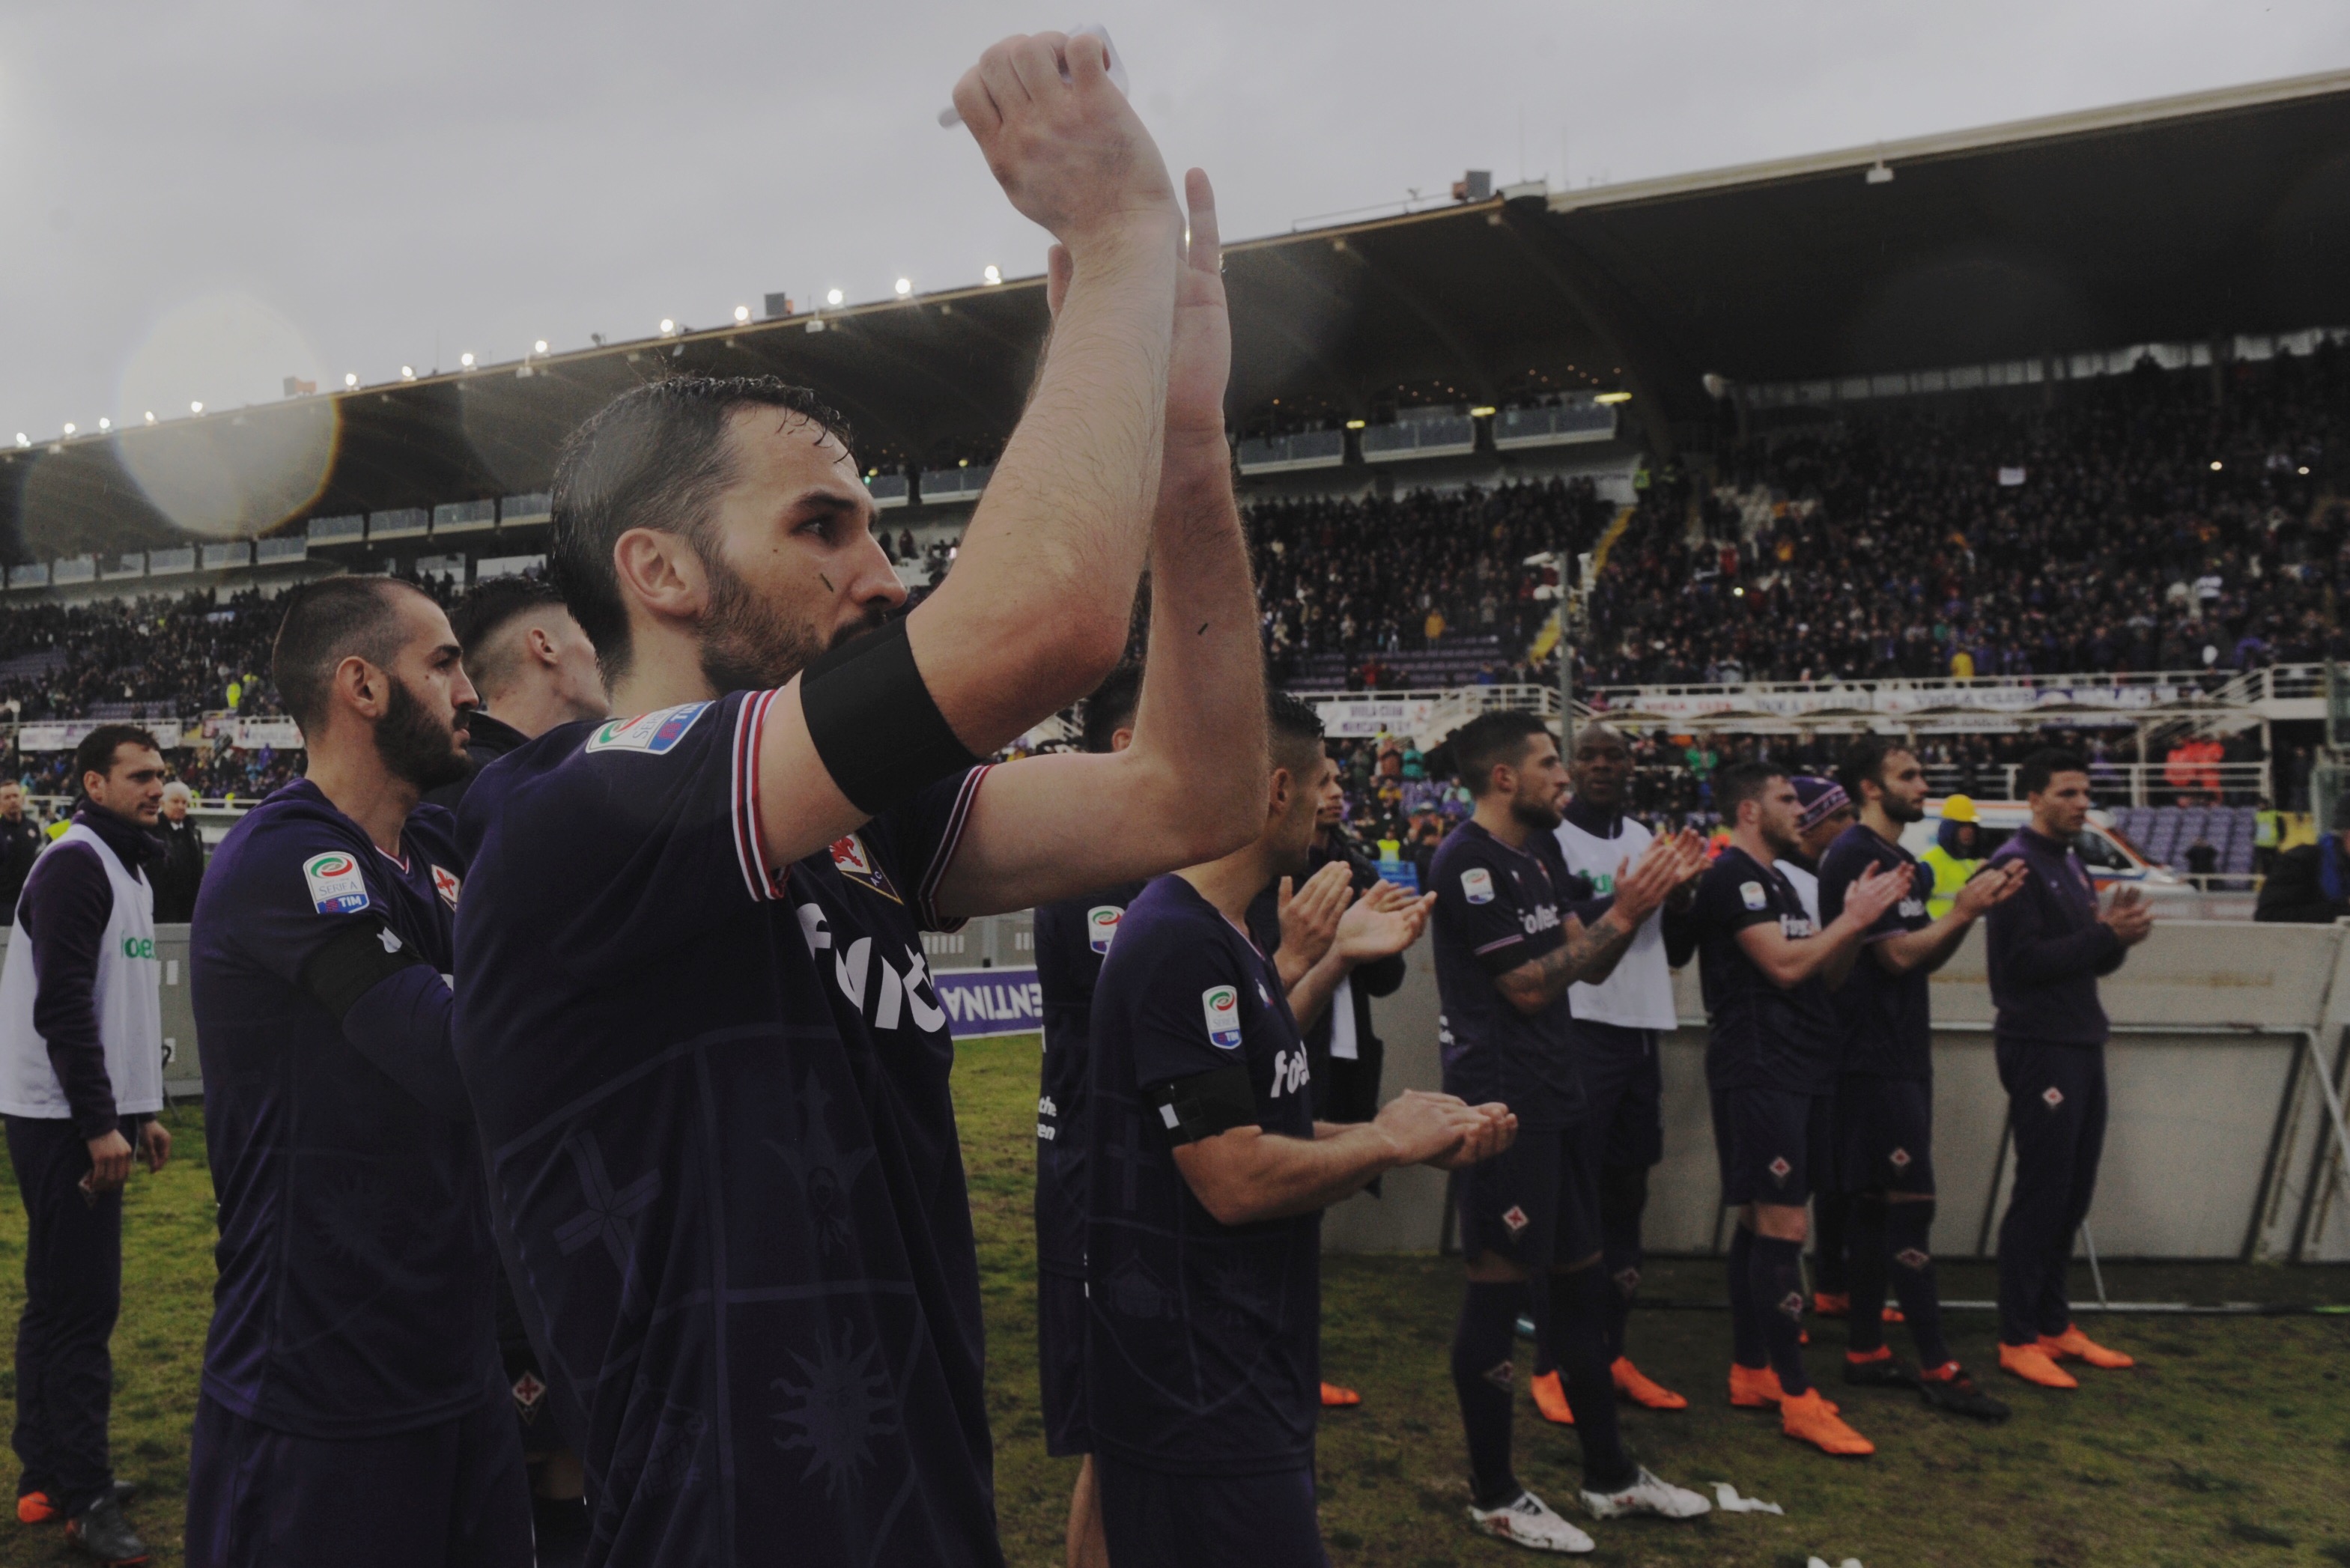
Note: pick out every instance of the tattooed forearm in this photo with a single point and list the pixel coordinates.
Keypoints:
(1588, 954)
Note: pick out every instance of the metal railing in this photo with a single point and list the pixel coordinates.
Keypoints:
(2123, 694)
(2137, 784)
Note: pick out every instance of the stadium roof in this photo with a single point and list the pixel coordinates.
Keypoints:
(2168, 220)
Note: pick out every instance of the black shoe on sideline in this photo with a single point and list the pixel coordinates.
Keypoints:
(105, 1534)
(1958, 1395)
(1886, 1372)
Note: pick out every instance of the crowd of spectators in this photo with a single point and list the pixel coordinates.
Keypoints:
(146, 658)
(1379, 575)
(2159, 520)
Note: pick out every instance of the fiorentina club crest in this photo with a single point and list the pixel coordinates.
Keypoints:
(1779, 1171)
(1515, 1219)
(2054, 1096)
(856, 863)
(444, 882)
(527, 1393)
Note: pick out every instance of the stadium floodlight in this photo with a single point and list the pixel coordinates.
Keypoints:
(105, 424)
(467, 360)
(1613, 398)
(667, 326)
(539, 347)
(833, 296)
(1356, 424)
(69, 427)
(742, 313)
(2215, 465)
(994, 274)
(408, 372)
(350, 378)
(150, 416)
(2303, 470)
(197, 406)
(905, 286)
(1738, 593)
(1483, 411)
(24, 440)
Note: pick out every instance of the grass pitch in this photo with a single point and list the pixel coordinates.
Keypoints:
(2231, 1444)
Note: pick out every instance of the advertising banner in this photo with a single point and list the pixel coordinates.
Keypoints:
(984, 1003)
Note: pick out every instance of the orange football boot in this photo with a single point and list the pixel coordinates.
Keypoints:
(1335, 1398)
(1831, 1303)
(2034, 1365)
(35, 1508)
(1809, 1418)
(2075, 1346)
(1550, 1399)
(1641, 1389)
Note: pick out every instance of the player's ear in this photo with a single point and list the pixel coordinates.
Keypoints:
(367, 689)
(661, 572)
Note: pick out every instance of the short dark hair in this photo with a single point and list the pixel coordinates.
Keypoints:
(1292, 725)
(1112, 706)
(1490, 740)
(653, 457)
(324, 623)
(480, 615)
(2044, 764)
(1864, 762)
(96, 753)
(1739, 783)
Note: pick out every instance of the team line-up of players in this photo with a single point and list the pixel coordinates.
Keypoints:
(684, 1089)
(1557, 921)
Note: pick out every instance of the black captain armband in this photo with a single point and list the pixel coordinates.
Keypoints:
(354, 961)
(1204, 1105)
(879, 732)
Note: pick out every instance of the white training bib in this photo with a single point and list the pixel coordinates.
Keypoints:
(1639, 993)
(1807, 887)
(125, 994)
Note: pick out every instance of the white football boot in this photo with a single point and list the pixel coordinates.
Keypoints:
(1530, 1522)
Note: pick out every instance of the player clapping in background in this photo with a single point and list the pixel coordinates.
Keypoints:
(1772, 1055)
(1508, 947)
(1616, 1024)
(1209, 1174)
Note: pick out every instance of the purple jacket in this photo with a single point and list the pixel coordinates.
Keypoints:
(2046, 949)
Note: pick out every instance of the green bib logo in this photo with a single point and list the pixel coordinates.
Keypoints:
(139, 947)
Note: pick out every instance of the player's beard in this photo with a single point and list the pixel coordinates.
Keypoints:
(416, 746)
(749, 645)
(1539, 812)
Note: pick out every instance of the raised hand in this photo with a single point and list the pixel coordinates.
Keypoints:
(1874, 891)
(1643, 886)
(1498, 1133)
(2130, 916)
(1381, 923)
(1068, 150)
(1203, 360)
(1989, 888)
(1309, 916)
(1427, 1128)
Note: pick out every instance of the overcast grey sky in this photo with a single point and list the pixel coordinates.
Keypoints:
(203, 197)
